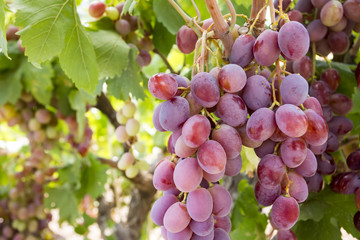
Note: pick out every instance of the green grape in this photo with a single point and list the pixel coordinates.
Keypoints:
(143, 165)
(129, 109)
(121, 134)
(126, 160)
(140, 147)
(132, 171)
(120, 117)
(112, 13)
(132, 127)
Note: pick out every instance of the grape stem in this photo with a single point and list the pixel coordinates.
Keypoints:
(206, 113)
(328, 62)
(195, 68)
(272, 11)
(164, 59)
(197, 10)
(186, 17)
(287, 184)
(257, 18)
(232, 13)
(313, 51)
(203, 51)
(221, 28)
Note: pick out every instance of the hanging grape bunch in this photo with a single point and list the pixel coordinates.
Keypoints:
(127, 133)
(292, 133)
(126, 26)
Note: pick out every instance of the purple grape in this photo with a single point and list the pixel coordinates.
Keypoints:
(314, 104)
(340, 125)
(321, 91)
(293, 152)
(285, 212)
(220, 234)
(286, 235)
(222, 200)
(162, 86)
(266, 49)
(294, 89)
(267, 147)
(207, 237)
(182, 150)
(317, 30)
(172, 140)
(261, 125)
(233, 166)
(224, 223)
(196, 131)
(246, 141)
(291, 120)
(318, 131)
(195, 107)
(242, 50)
(293, 40)
(186, 39)
(332, 143)
(160, 207)
(326, 164)
(163, 175)
(211, 157)
(351, 10)
(176, 218)
(202, 228)
(298, 188)
(327, 113)
(331, 13)
(232, 78)
(257, 92)
(315, 183)
(353, 160)
(205, 89)
(174, 113)
(232, 110)
(303, 66)
(229, 139)
(187, 175)
(309, 166)
(183, 235)
(340, 103)
(338, 42)
(270, 171)
(266, 197)
(199, 204)
(331, 77)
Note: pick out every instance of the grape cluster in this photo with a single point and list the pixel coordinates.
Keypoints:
(291, 132)
(23, 211)
(349, 182)
(82, 144)
(126, 25)
(126, 133)
(329, 22)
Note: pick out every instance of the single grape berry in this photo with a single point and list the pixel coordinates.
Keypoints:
(97, 9)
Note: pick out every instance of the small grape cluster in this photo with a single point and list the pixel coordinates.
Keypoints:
(126, 25)
(83, 143)
(349, 182)
(329, 22)
(126, 133)
(22, 211)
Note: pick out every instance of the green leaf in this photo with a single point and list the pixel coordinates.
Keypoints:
(64, 199)
(38, 82)
(45, 24)
(129, 6)
(93, 178)
(356, 101)
(167, 15)
(15, 55)
(336, 211)
(78, 101)
(250, 160)
(163, 40)
(3, 45)
(247, 221)
(78, 58)
(347, 82)
(129, 82)
(10, 85)
(110, 51)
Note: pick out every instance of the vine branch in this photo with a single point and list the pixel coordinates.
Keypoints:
(164, 60)
(221, 28)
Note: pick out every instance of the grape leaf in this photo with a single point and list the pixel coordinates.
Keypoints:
(336, 212)
(64, 199)
(249, 160)
(129, 81)
(93, 177)
(38, 81)
(247, 221)
(167, 15)
(78, 101)
(45, 24)
(15, 55)
(78, 58)
(3, 45)
(10, 85)
(163, 40)
(347, 82)
(111, 52)
(356, 101)
(129, 6)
